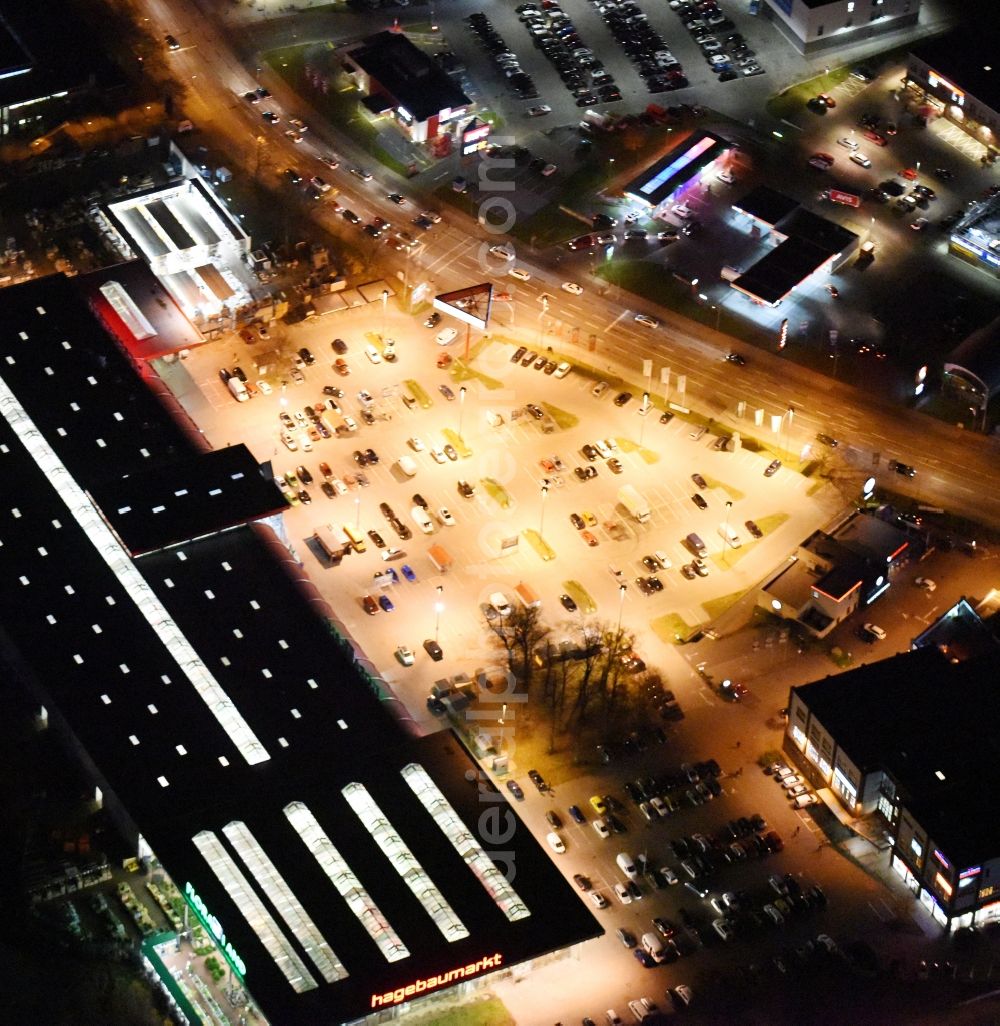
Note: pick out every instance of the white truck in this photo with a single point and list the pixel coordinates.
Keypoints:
(239, 390)
(634, 503)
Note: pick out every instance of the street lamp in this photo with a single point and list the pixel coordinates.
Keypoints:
(644, 413)
(438, 610)
(541, 518)
(725, 533)
(500, 723)
(385, 300)
(622, 588)
(461, 409)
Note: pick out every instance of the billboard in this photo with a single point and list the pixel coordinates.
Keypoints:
(475, 136)
(471, 305)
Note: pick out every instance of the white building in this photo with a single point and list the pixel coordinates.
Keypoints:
(812, 26)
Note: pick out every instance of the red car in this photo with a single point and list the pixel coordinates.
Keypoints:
(827, 100)
(908, 173)
(876, 137)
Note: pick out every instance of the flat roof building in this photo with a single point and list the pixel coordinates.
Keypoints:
(398, 77)
(344, 866)
(956, 76)
(813, 26)
(903, 738)
(658, 183)
(806, 244)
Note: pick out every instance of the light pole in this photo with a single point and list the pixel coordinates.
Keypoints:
(500, 723)
(725, 535)
(385, 300)
(788, 433)
(541, 518)
(461, 410)
(438, 610)
(622, 588)
(644, 411)
(357, 522)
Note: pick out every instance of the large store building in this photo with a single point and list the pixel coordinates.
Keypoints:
(812, 26)
(344, 866)
(903, 738)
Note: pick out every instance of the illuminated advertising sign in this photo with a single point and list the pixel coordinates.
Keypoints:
(848, 199)
(967, 873)
(429, 983)
(944, 862)
(475, 136)
(937, 82)
(215, 929)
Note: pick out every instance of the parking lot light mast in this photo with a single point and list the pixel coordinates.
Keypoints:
(644, 412)
(461, 410)
(622, 588)
(438, 610)
(385, 300)
(725, 533)
(541, 518)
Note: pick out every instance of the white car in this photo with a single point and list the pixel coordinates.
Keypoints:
(669, 875)
(501, 253)
(847, 142)
(520, 273)
(659, 807)
(446, 337)
(404, 655)
(663, 558)
(289, 439)
(726, 177)
(365, 398)
(572, 288)
(264, 388)
(681, 210)
(539, 110)
(423, 521)
(338, 486)
(646, 320)
(415, 444)
(555, 842)
(875, 631)
(802, 800)
(431, 216)
(622, 894)
(444, 515)
(562, 370)
(921, 582)
(793, 780)
(389, 350)
(860, 159)
(724, 929)
(373, 354)
(407, 466)
(601, 828)
(607, 447)
(437, 455)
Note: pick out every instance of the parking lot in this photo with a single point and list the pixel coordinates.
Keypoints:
(508, 468)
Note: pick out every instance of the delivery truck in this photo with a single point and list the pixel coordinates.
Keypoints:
(634, 503)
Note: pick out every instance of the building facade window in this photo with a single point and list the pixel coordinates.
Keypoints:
(916, 847)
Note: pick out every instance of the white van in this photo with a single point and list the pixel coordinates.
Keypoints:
(729, 536)
(653, 946)
(407, 466)
(627, 865)
(498, 600)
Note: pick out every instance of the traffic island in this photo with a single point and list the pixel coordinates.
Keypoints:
(419, 394)
(497, 492)
(540, 545)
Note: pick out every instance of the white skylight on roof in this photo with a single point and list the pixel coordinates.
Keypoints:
(281, 896)
(75, 407)
(23, 336)
(180, 492)
(16, 513)
(162, 781)
(209, 594)
(225, 660)
(465, 842)
(109, 599)
(134, 740)
(181, 556)
(91, 380)
(238, 476)
(106, 699)
(159, 509)
(168, 582)
(101, 443)
(124, 668)
(69, 589)
(215, 491)
(347, 884)
(259, 919)
(254, 604)
(118, 416)
(124, 509)
(24, 580)
(296, 714)
(61, 432)
(237, 632)
(42, 550)
(283, 742)
(342, 724)
(267, 673)
(49, 371)
(78, 659)
(223, 761)
(282, 643)
(404, 862)
(181, 750)
(939, 775)
(97, 628)
(226, 566)
(50, 618)
(152, 708)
